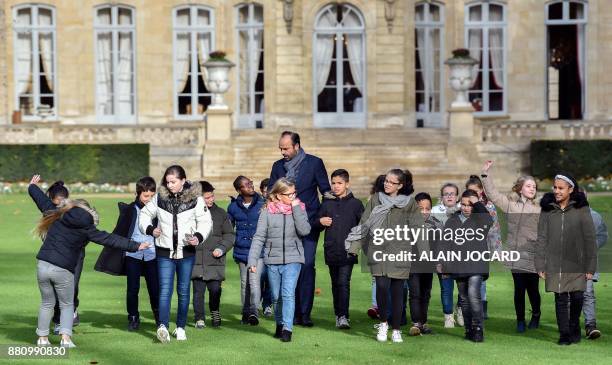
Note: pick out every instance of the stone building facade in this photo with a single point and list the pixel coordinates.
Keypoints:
(356, 75)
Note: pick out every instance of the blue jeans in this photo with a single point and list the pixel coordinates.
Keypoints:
(166, 267)
(283, 280)
(447, 286)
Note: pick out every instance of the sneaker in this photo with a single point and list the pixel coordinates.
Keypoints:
(460, 317)
(449, 321)
(477, 334)
(521, 326)
(268, 311)
(383, 328)
(200, 324)
(343, 323)
(43, 342)
(75, 319)
(179, 333)
(373, 313)
(397, 336)
(253, 320)
(534, 322)
(56, 329)
(415, 330)
(337, 324)
(162, 334)
(133, 324)
(592, 333)
(286, 336)
(67, 343)
(425, 330)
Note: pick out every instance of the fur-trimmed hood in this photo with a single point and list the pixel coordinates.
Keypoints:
(549, 203)
(191, 191)
(78, 219)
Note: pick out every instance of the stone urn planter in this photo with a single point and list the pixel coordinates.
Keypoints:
(218, 68)
(460, 79)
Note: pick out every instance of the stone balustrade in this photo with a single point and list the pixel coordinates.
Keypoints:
(496, 131)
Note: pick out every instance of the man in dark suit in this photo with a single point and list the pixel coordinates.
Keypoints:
(309, 174)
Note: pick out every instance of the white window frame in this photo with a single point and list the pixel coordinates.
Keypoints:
(248, 119)
(565, 20)
(339, 119)
(115, 29)
(432, 119)
(193, 29)
(35, 30)
(485, 25)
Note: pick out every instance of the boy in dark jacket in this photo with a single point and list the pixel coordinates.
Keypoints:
(209, 268)
(243, 212)
(133, 265)
(469, 271)
(337, 217)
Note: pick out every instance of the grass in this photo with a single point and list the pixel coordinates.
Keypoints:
(102, 336)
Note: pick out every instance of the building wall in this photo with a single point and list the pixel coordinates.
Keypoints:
(288, 59)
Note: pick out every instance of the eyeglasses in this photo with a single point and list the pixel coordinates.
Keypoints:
(449, 195)
(391, 182)
(290, 194)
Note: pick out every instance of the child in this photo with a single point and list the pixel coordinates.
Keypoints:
(209, 268)
(133, 265)
(471, 273)
(184, 222)
(243, 212)
(65, 232)
(337, 217)
(282, 224)
(421, 273)
(567, 252)
(46, 202)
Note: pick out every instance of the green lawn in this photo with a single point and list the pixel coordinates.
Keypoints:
(102, 336)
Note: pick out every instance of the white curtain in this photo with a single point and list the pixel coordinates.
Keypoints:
(243, 71)
(104, 68)
(203, 52)
(23, 56)
(46, 48)
(496, 45)
(181, 58)
(580, 53)
(124, 68)
(475, 47)
(324, 50)
(256, 56)
(355, 49)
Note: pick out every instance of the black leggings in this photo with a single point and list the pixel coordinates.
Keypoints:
(214, 296)
(528, 282)
(385, 284)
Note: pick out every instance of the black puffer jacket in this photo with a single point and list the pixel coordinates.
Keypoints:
(69, 234)
(345, 214)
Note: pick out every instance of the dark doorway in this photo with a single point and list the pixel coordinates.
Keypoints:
(565, 72)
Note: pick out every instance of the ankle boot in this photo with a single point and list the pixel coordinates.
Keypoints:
(286, 336)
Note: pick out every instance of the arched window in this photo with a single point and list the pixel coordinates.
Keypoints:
(34, 61)
(429, 46)
(249, 33)
(339, 77)
(115, 43)
(194, 34)
(566, 63)
(485, 37)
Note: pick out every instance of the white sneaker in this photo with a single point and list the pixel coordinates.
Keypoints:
(43, 342)
(397, 336)
(383, 328)
(180, 334)
(67, 343)
(162, 334)
(200, 324)
(343, 323)
(268, 312)
(449, 321)
(459, 317)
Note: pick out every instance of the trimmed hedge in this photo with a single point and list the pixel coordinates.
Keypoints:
(583, 159)
(113, 164)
